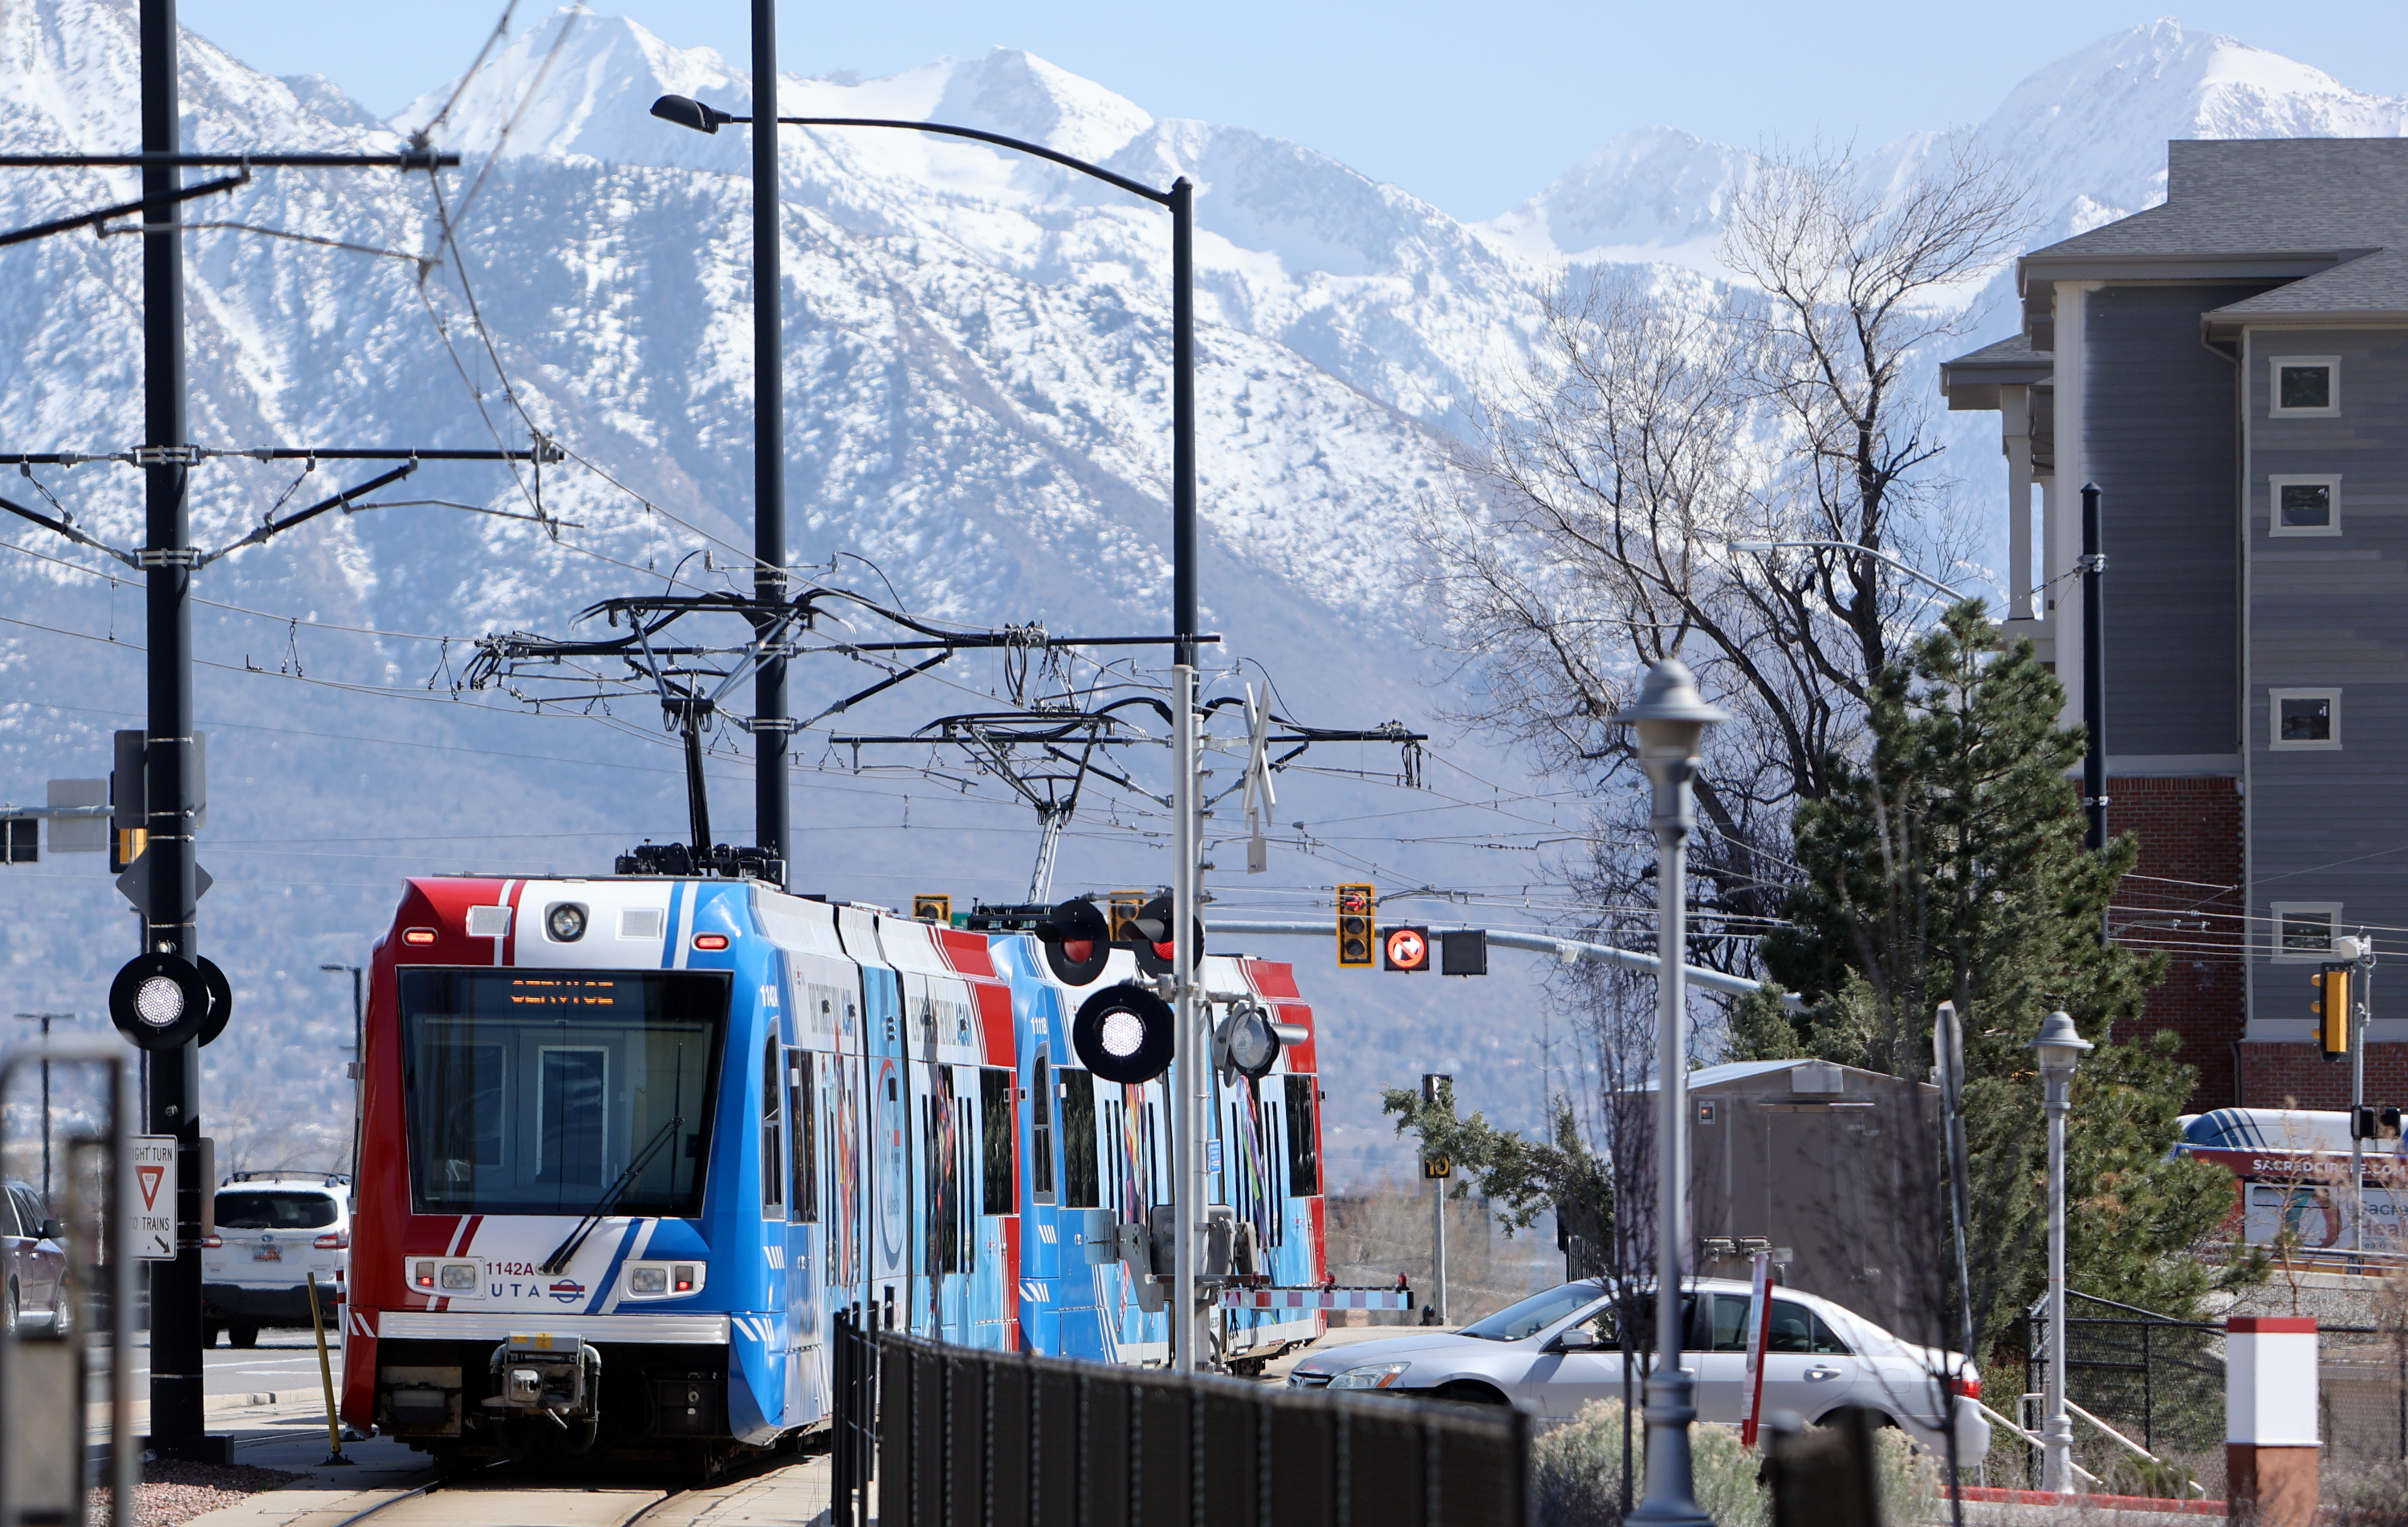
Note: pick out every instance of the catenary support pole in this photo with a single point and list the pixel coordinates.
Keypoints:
(1182, 424)
(169, 921)
(2094, 669)
(1438, 1245)
(1194, 1063)
(770, 722)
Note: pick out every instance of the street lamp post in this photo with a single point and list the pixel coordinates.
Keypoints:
(46, 1019)
(1180, 200)
(1671, 717)
(358, 1056)
(2060, 1049)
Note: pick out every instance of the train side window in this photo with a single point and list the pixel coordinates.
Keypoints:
(995, 1132)
(1079, 1185)
(803, 1120)
(773, 1117)
(1303, 1150)
(1041, 1131)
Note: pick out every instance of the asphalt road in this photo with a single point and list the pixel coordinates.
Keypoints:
(285, 1362)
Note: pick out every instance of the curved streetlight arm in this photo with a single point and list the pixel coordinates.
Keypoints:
(1878, 556)
(703, 118)
(1136, 188)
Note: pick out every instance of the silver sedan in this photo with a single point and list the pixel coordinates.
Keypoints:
(1554, 1351)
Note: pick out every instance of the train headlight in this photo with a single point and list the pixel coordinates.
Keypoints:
(664, 1280)
(459, 1276)
(565, 921)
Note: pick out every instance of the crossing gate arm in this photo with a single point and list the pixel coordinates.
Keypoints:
(1316, 1299)
(1539, 944)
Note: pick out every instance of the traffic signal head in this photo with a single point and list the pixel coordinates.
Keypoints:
(1356, 906)
(1406, 948)
(929, 907)
(2332, 1010)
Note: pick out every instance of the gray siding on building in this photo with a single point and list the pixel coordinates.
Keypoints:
(2332, 610)
(2163, 448)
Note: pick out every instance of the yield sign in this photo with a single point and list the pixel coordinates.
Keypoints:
(155, 1221)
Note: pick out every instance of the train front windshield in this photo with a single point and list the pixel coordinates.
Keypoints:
(560, 1091)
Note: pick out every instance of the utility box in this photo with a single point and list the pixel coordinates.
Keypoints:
(1838, 1173)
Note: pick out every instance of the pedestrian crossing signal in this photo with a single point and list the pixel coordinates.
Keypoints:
(2332, 1008)
(1355, 907)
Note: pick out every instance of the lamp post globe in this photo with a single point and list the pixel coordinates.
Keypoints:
(1670, 718)
(2057, 1049)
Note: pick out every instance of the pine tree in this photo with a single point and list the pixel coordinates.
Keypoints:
(1949, 864)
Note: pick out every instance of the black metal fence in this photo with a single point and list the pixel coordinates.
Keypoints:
(966, 1437)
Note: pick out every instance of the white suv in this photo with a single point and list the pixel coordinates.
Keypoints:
(274, 1228)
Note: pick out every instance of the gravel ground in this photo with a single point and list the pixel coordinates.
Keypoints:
(172, 1493)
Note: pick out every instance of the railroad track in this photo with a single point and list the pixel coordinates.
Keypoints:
(503, 1496)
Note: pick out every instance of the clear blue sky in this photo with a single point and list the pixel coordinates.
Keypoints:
(1474, 106)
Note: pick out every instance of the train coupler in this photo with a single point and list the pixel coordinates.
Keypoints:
(559, 1378)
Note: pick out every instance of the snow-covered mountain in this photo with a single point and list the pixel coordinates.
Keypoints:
(978, 387)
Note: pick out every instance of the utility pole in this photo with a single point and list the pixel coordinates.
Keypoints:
(1195, 1066)
(46, 1019)
(770, 723)
(2362, 950)
(169, 921)
(1438, 1089)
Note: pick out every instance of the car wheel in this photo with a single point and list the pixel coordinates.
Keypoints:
(243, 1333)
(1467, 1392)
(8, 1316)
(63, 1311)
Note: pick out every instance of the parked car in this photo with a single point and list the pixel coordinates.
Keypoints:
(1556, 1350)
(273, 1231)
(32, 1260)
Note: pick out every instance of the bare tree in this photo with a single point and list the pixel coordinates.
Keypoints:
(1663, 420)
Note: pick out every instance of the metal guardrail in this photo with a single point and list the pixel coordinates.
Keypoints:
(967, 1436)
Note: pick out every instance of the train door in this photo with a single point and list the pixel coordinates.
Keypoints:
(887, 1110)
(1040, 1250)
(998, 1202)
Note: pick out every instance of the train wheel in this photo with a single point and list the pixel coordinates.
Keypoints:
(243, 1333)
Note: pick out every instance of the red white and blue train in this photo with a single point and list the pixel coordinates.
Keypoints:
(628, 1145)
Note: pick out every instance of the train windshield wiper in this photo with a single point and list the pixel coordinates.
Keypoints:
(553, 1265)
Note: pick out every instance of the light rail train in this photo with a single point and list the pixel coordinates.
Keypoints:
(628, 1144)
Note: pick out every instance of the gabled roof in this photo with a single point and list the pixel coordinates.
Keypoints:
(2371, 286)
(2274, 200)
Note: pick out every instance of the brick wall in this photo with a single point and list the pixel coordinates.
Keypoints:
(2183, 898)
(2287, 1075)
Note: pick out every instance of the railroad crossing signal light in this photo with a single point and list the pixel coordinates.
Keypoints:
(1355, 905)
(1406, 948)
(2332, 1009)
(934, 909)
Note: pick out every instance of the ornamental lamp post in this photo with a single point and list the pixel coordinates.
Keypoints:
(2058, 1050)
(1671, 718)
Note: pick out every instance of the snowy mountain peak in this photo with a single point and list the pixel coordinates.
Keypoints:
(1652, 193)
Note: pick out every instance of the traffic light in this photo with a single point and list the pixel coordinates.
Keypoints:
(1406, 948)
(2332, 1008)
(932, 909)
(1356, 904)
(20, 840)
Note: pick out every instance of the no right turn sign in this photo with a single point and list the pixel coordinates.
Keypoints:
(154, 1196)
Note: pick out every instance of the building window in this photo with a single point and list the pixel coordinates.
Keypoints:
(2303, 506)
(2304, 930)
(2304, 719)
(2304, 387)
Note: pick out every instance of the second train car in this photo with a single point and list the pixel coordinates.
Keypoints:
(626, 1144)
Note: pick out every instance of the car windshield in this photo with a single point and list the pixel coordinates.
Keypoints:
(1536, 1314)
(279, 1209)
(532, 1091)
